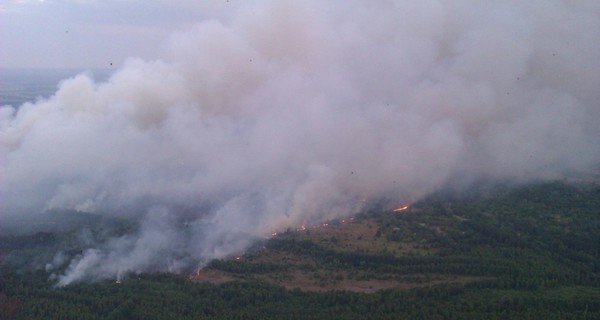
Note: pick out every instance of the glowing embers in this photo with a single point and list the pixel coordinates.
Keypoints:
(400, 208)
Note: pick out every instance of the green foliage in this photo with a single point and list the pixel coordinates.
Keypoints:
(531, 252)
(242, 267)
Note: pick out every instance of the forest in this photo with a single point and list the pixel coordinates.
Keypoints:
(492, 252)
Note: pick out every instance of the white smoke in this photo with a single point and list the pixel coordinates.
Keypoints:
(297, 111)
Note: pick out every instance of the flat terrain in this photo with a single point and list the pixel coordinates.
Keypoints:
(494, 252)
(294, 270)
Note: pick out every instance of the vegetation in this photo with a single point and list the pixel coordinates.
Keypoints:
(531, 252)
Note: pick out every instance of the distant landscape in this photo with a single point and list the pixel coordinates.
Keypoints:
(531, 252)
(20, 85)
(299, 159)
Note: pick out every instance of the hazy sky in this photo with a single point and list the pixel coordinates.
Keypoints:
(93, 34)
(263, 115)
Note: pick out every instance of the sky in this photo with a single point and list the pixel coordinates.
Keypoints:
(89, 34)
(226, 121)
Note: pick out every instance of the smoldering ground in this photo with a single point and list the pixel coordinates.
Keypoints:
(292, 112)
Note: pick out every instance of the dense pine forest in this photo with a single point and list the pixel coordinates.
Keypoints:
(528, 252)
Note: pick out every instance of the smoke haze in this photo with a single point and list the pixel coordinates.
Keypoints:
(294, 112)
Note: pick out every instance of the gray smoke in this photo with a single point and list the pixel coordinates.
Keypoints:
(293, 112)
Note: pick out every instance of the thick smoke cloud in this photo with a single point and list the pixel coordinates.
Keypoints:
(292, 112)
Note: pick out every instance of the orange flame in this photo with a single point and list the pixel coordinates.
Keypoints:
(401, 208)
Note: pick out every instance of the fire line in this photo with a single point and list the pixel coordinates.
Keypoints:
(401, 208)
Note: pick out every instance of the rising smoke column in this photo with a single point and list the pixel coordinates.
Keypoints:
(292, 112)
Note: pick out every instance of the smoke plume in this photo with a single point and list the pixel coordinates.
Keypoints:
(290, 112)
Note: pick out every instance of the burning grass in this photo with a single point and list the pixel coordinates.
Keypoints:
(313, 266)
